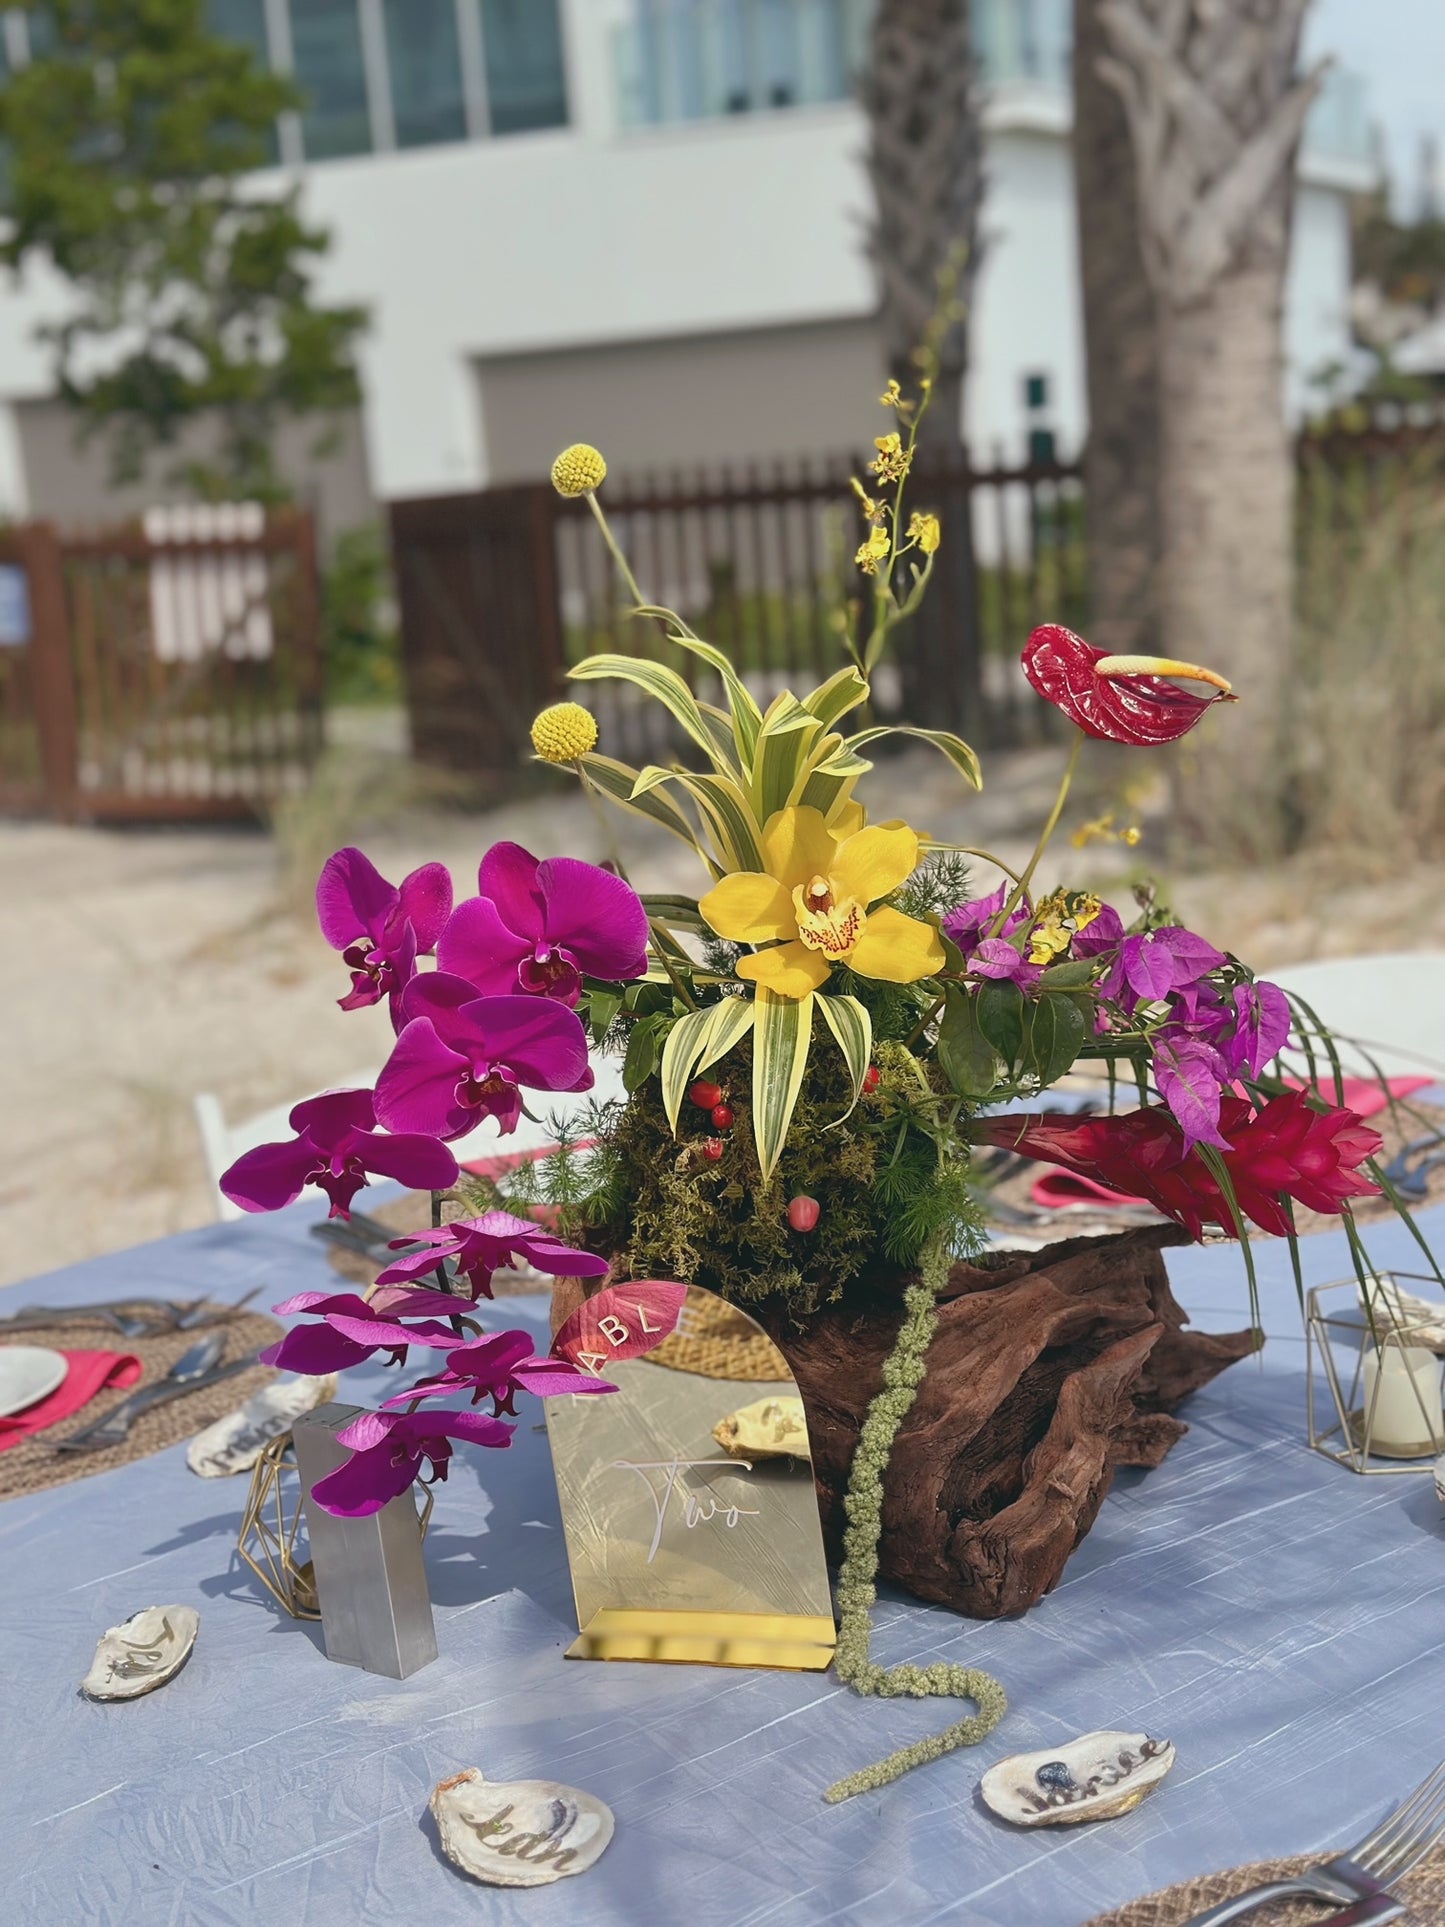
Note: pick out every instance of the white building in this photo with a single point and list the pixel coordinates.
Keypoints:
(639, 222)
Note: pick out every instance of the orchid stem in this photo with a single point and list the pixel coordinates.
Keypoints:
(1021, 888)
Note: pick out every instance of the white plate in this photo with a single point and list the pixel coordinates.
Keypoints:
(28, 1373)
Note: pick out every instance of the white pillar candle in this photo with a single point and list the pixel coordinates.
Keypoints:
(1402, 1401)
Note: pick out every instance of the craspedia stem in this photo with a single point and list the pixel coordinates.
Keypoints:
(903, 1372)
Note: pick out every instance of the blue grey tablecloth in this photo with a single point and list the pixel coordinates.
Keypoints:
(1276, 1617)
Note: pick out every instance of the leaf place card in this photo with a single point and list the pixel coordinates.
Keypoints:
(687, 1496)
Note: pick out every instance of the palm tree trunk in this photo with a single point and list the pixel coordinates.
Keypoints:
(925, 163)
(1215, 103)
(1121, 354)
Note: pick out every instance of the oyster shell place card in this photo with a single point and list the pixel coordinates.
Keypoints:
(519, 1833)
(234, 1443)
(1095, 1777)
(689, 1511)
(141, 1654)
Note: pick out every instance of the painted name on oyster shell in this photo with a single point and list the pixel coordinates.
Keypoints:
(539, 1849)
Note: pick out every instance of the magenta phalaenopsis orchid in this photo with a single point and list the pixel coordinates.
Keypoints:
(539, 927)
(462, 1058)
(352, 1329)
(380, 928)
(482, 1246)
(500, 1366)
(388, 1450)
(337, 1148)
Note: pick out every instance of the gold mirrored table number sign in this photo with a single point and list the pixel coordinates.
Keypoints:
(683, 1552)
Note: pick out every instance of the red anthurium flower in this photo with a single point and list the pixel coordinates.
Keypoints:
(1122, 699)
(1288, 1149)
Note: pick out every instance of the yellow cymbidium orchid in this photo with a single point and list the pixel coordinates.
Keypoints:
(813, 905)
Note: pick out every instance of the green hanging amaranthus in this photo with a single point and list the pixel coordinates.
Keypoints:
(903, 1372)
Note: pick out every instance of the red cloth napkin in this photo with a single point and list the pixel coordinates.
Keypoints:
(89, 1373)
(1365, 1096)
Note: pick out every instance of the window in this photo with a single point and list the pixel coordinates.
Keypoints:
(331, 72)
(526, 84)
(1036, 391)
(426, 72)
(244, 21)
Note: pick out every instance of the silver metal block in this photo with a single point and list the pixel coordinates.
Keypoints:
(370, 1577)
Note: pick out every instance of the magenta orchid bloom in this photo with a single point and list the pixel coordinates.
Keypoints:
(380, 928)
(500, 1366)
(388, 1450)
(539, 927)
(482, 1246)
(352, 1328)
(462, 1058)
(337, 1147)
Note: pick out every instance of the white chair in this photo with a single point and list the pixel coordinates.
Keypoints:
(223, 1143)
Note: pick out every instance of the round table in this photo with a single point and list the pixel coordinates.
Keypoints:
(1277, 1617)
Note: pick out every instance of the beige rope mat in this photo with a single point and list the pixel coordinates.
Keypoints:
(32, 1466)
(1423, 1891)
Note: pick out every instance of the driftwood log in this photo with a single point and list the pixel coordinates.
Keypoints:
(1049, 1370)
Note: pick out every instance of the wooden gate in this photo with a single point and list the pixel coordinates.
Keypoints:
(503, 590)
(165, 671)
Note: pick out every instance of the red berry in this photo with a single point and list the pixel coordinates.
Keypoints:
(722, 1117)
(803, 1213)
(872, 1078)
(713, 1148)
(705, 1095)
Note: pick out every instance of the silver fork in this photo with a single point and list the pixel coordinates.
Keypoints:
(1401, 1840)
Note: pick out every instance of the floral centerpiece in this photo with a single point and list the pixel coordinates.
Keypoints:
(813, 1046)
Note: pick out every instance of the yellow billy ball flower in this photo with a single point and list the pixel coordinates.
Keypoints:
(563, 733)
(578, 470)
(925, 531)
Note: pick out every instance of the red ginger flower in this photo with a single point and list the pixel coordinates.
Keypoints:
(1288, 1149)
(1123, 699)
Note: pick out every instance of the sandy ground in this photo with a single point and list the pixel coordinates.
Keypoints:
(138, 968)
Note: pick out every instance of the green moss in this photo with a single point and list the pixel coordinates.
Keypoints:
(661, 1208)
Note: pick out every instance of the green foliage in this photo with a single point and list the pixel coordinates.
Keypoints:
(358, 621)
(938, 885)
(191, 291)
(662, 1209)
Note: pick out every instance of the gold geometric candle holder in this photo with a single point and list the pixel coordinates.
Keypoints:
(1373, 1367)
(273, 1520)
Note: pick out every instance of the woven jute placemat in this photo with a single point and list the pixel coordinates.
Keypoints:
(715, 1340)
(1423, 1891)
(34, 1465)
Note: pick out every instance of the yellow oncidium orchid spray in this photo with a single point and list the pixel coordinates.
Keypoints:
(813, 906)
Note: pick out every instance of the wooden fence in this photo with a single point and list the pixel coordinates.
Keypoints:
(502, 590)
(163, 671)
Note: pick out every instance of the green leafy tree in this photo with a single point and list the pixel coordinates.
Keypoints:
(130, 139)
